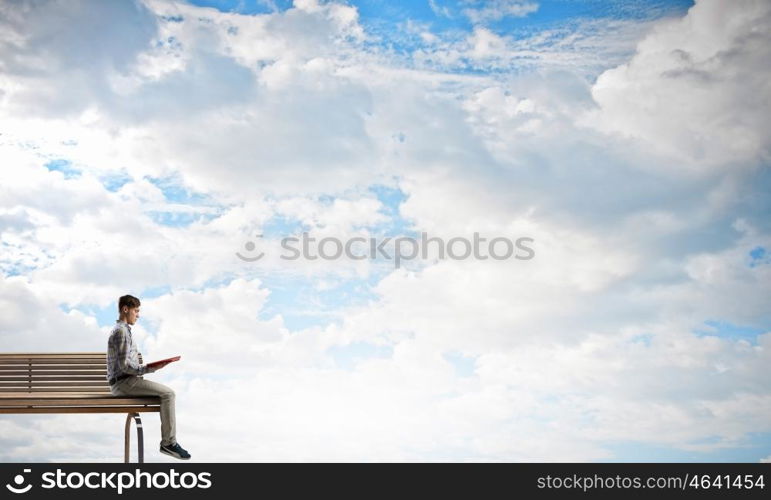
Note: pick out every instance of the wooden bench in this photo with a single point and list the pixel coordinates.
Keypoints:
(69, 383)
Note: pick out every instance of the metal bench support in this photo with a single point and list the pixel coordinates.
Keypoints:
(140, 438)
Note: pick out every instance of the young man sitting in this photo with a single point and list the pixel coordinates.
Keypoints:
(125, 374)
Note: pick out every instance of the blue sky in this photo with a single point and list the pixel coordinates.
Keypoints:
(446, 15)
(395, 26)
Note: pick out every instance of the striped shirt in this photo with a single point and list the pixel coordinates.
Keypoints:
(122, 355)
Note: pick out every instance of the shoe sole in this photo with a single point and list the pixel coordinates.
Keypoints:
(173, 455)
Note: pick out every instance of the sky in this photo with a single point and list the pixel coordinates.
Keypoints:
(157, 147)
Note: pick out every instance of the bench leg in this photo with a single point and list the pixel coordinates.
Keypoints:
(140, 438)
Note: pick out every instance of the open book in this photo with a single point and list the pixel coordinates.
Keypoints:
(163, 361)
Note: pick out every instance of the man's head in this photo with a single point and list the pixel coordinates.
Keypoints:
(128, 307)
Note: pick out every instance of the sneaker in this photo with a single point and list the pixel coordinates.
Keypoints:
(176, 451)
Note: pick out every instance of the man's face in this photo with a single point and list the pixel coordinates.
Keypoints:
(132, 315)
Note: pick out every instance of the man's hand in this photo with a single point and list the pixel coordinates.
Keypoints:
(156, 366)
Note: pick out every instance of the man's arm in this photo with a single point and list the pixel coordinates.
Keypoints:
(126, 364)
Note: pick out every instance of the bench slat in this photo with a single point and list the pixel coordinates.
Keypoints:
(88, 384)
(53, 366)
(93, 403)
(42, 373)
(83, 409)
(63, 361)
(58, 389)
(86, 400)
(51, 378)
(14, 355)
(36, 378)
(54, 395)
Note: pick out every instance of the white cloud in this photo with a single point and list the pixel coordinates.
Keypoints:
(55, 68)
(687, 91)
(213, 329)
(498, 9)
(585, 47)
(32, 322)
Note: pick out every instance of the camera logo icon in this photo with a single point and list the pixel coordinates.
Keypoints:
(250, 246)
(19, 481)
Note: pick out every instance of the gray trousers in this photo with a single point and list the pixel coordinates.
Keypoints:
(136, 386)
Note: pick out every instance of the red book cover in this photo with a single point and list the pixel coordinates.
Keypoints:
(162, 361)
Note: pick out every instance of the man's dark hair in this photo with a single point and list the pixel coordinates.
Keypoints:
(128, 300)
